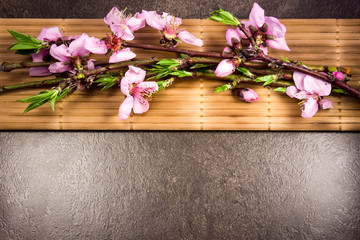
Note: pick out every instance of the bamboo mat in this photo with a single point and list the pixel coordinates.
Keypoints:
(190, 104)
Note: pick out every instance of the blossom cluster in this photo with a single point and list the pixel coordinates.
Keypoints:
(244, 43)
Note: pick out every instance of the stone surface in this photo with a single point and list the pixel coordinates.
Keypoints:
(179, 185)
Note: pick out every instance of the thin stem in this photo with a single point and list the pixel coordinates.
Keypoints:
(336, 82)
(176, 50)
(239, 79)
(8, 67)
(247, 34)
(44, 83)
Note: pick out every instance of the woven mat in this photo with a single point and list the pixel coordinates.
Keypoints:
(190, 104)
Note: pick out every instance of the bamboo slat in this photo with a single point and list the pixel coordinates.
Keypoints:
(190, 104)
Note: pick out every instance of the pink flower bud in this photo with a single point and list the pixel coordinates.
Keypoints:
(339, 75)
(226, 67)
(247, 94)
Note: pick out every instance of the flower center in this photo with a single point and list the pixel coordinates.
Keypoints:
(171, 27)
(113, 42)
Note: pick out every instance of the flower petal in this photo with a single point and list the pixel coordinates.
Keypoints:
(275, 27)
(148, 87)
(49, 34)
(230, 34)
(58, 67)
(278, 43)
(141, 105)
(113, 17)
(316, 86)
(224, 68)
(135, 74)
(299, 79)
(39, 57)
(122, 31)
(135, 23)
(122, 55)
(291, 91)
(60, 53)
(326, 104)
(77, 47)
(189, 38)
(125, 108)
(257, 16)
(311, 107)
(155, 20)
(90, 64)
(39, 72)
(95, 45)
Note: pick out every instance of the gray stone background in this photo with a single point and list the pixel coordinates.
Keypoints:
(179, 185)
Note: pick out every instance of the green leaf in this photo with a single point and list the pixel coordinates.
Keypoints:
(181, 74)
(164, 84)
(36, 105)
(338, 90)
(285, 59)
(52, 103)
(223, 88)
(280, 89)
(245, 72)
(167, 62)
(182, 55)
(107, 82)
(26, 52)
(224, 17)
(266, 79)
(199, 65)
(42, 95)
(25, 46)
(23, 37)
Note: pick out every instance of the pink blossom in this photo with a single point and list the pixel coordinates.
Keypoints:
(122, 25)
(82, 46)
(226, 67)
(169, 26)
(136, 91)
(46, 34)
(339, 75)
(247, 94)
(310, 90)
(269, 31)
(119, 54)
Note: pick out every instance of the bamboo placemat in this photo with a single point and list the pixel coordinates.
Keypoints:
(190, 104)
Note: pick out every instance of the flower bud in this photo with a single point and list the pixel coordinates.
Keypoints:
(338, 75)
(264, 28)
(247, 94)
(252, 29)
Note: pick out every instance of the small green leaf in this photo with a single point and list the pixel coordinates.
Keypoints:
(25, 46)
(52, 103)
(280, 89)
(199, 65)
(42, 95)
(338, 90)
(224, 17)
(223, 88)
(181, 74)
(36, 105)
(266, 79)
(245, 72)
(23, 37)
(167, 62)
(285, 59)
(164, 84)
(183, 55)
